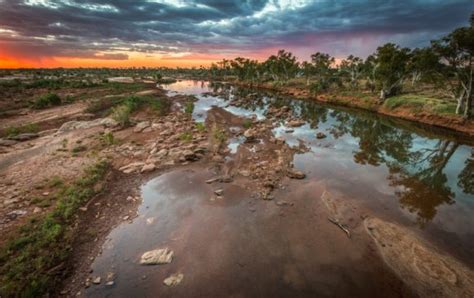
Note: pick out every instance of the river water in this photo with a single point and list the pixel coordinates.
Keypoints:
(419, 177)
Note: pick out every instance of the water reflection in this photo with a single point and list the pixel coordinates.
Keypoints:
(424, 170)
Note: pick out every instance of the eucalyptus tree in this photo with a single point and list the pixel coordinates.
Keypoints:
(422, 65)
(456, 53)
(391, 69)
(282, 66)
(323, 71)
(353, 67)
(307, 70)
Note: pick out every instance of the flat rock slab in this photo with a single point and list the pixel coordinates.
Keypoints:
(427, 271)
(157, 257)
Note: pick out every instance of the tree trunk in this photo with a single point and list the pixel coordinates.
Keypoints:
(383, 95)
(460, 105)
(468, 106)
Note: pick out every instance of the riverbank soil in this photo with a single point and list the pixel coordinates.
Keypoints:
(240, 194)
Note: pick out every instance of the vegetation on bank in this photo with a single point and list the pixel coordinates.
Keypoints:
(30, 259)
(447, 66)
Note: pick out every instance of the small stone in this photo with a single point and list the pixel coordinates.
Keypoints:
(110, 283)
(294, 174)
(157, 257)
(219, 192)
(173, 280)
(83, 209)
(148, 168)
(126, 217)
(37, 210)
(96, 280)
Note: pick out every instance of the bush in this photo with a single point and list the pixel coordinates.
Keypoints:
(16, 130)
(121, 114)
(247, 123)
(47, 100)
(189, 107)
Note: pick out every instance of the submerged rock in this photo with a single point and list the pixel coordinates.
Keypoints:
(427, 271)
(173, 279)
(157, 257)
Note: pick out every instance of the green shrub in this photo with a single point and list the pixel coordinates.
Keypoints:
(121, 114)
(16, 130)
(45, 241)
(189, 107)
(47, 100)
(186, 136)
(247, 123)
(219, 135)
(201, 127)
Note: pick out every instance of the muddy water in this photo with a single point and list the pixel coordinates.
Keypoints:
(367, 166)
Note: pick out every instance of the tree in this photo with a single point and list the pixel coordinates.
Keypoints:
(282, 67)
(391, 69)
(456, 52)
(422, 65)
(308, 70)
(353, 67)
(323, 71)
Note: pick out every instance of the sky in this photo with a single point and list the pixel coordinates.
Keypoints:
(186, 33)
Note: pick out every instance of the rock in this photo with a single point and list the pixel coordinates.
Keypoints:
(419, 264)
(157, 257)
(73, 125)
(294, 174)
(190, 155)
(148, 168)
(141, 126)
(320, 135)
(24, 137)
(250, 135)
(110, 283)
(219, 192)
(7, 143)
(173, 279)
(226, 179)
(295, 123)
(96, 280)
(132, 167)
(15, 213)
(37, 210)
(47, 132)
(244, 173)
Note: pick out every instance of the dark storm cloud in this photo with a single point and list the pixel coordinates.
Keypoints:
(84, 28)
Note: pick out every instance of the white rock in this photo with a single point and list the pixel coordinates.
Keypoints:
(157, 257)
(173, 279)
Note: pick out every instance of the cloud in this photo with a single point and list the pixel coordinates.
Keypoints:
(110, 30)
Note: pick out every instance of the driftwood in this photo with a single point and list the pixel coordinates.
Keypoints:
(341, 226)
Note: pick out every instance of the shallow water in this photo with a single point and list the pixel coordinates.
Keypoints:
(393, 169)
